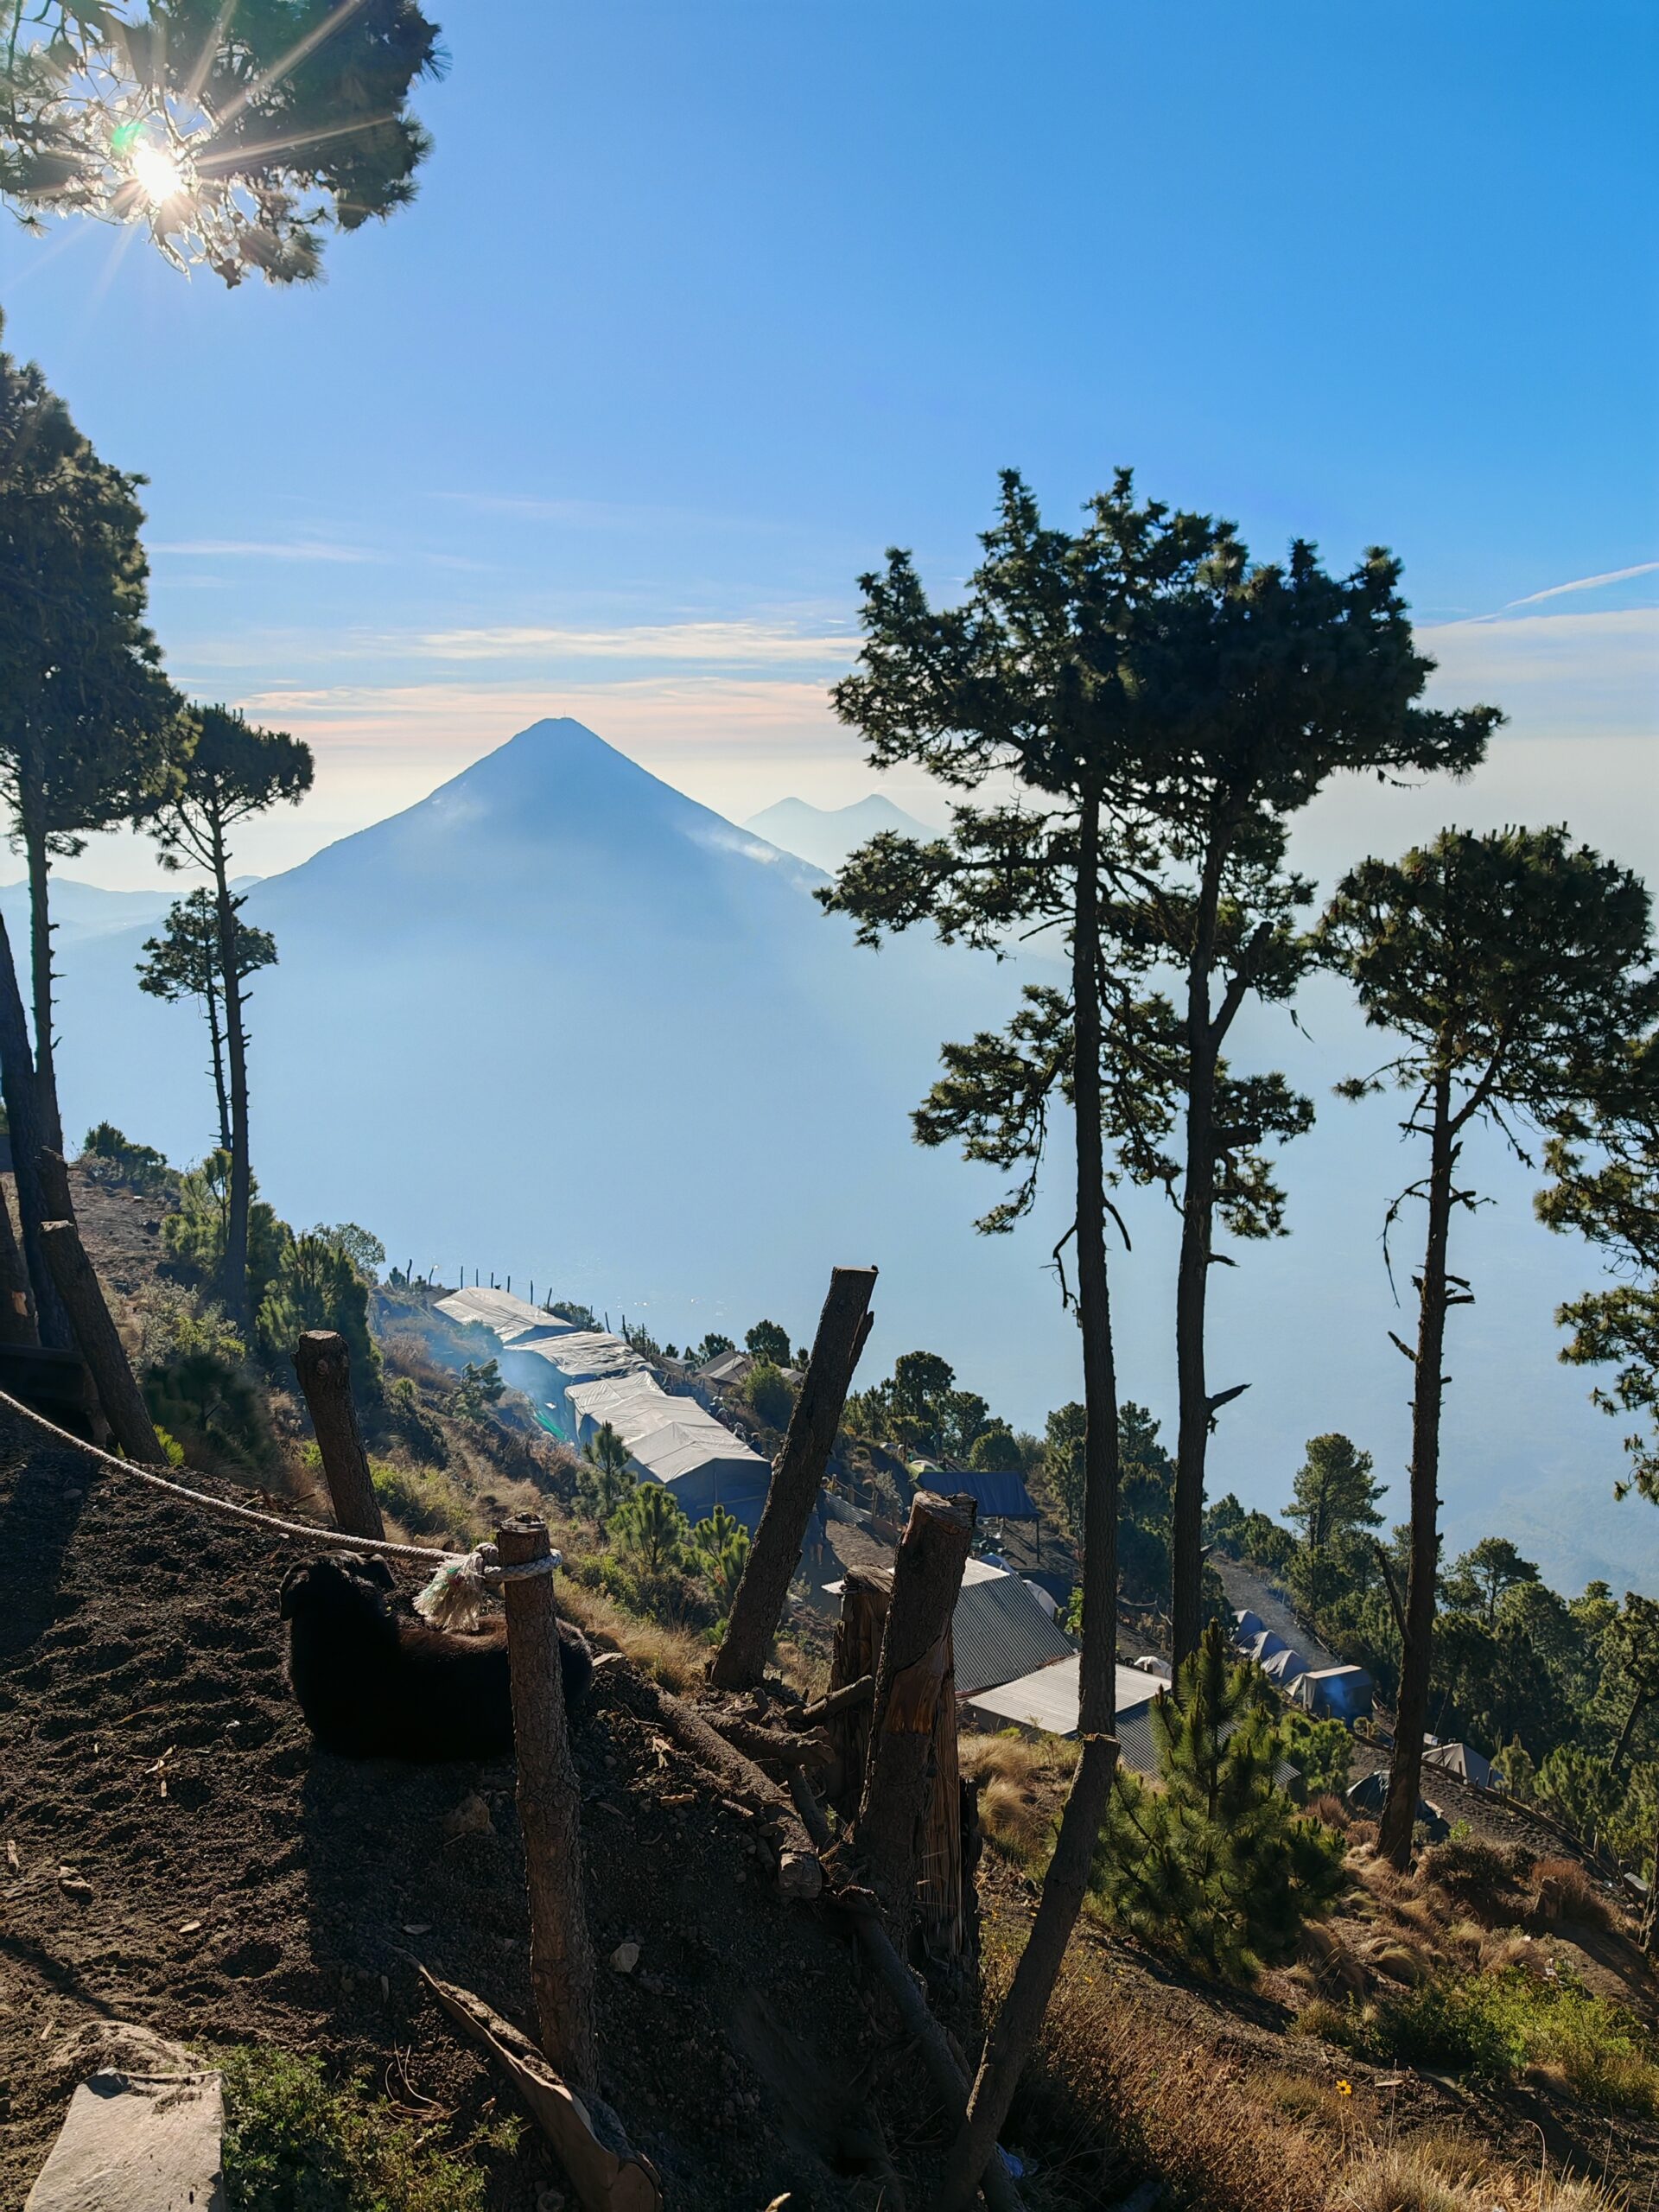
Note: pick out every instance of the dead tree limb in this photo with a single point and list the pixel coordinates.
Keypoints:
(913, 1676)
(323, 1362)
(797, 1477)
(800, 1875)
(560, 1956)
(841, 1700)
(783, 1749)
(100, 1343)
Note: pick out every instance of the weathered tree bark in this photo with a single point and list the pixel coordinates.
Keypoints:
(782, 1747)
(40, 933)
(950, 2081)
(845, 1699)
(1013, 2033)
(216, 1042)
(561, 1953)
(100, 1343)
(236, 1047)
(796, 1480)
(913, 1676)
(800, 1875)
(1411, 1711)
(16, 1314)
(323, 1364)
(1014, 2029)
(1193, 1279)
(23, 1117)
(56, 1193)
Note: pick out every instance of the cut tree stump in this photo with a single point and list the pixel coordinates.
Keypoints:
(909, 1822)
(100, 1343)
(322, 1361)
(796, 1478)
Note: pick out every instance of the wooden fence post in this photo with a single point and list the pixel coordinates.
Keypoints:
(912, 1679)
(16, 1319)
(561, 1953)
(100, 1343)
(322, 1361)
(797, 1477)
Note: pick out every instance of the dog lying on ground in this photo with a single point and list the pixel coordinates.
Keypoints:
(371, 1685)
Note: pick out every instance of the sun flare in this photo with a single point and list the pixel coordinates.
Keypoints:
(157, 173)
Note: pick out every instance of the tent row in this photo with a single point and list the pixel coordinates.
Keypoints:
(1328, 1693)
(581, 1379)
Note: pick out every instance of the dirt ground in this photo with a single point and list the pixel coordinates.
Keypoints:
(173, 1850)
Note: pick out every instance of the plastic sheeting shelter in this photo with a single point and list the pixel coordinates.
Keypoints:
(999, 1498)
(1265, 1646)
(1334, 1693)
(515, 1320)
(1463, 1760)
(674, 1441)
(547, 1369)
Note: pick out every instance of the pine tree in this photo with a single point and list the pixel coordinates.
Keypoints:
(184, 962)
(1516, 971)
(234, 772)
(237, 135)
(721, 1544)
(611, 1479)
(650, 1529)
(1216, 1863)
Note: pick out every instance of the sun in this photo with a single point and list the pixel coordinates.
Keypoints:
(157, 173)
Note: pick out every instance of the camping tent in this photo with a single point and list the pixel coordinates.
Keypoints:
(1284, 1667)
(1246, 1626)
(1463, 1760)
(1265, 1646)
(1334, 1693)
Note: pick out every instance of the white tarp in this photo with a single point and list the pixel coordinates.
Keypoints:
(511, 1318)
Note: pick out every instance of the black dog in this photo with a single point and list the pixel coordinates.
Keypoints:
(371, 1686)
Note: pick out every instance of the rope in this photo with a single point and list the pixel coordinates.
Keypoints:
(464, 1571)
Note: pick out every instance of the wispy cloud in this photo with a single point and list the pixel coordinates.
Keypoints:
(1558, 675)
(1581, 583)
(733, 645)
(251, 549)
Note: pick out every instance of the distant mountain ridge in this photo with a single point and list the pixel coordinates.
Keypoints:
(825, 835)
(560, 1020)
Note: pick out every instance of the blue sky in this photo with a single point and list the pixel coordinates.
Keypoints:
(701, 308)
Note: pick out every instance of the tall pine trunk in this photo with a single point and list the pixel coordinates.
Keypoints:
(40, 937)
(216, 1039)
(1192, 1280)
(1014, 2032)
(236, 1233)
(18, 1086)
(1411, 1717)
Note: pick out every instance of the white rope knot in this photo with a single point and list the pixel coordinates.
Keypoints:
(453, 1598)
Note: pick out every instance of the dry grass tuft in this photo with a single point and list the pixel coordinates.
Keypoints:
(1331, 1811)
(670, 1655)
(1451, 2173)
(1022, 1781)
(1562, 1889)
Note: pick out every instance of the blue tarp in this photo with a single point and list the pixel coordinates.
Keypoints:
(999, 1498)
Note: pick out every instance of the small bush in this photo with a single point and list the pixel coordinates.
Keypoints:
(110, 1157)
(208, 1402)
(293, 2139)
(427, 1503)
(402, 1415)
(769, 1395)
(1480, 1879)
(1321, 1751)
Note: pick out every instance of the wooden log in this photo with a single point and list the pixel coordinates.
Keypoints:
(323, 1364)
(606, 2176)
(17, 1315)
(54, 1186)
(913, 1678)
(561, 1955)
(23, 1119)
(797, 1477)
(855, 1656)
(782, 1747)
(948, 2077)
(100, 1343)
(844, 1700)
(800, 1875)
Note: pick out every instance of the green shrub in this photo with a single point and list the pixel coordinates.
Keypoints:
(317, 1286)
(769, 1395)
(649, 1530)
(1215, 1863)
(1322, 1752)
(296, 2143)
(428, 1503)
(113, 1157)
(208, 1400)
(480, 1388)
(721, 1546)
(194, 1235)
(402, 1415)
(1489, 2025)
(605, 1478)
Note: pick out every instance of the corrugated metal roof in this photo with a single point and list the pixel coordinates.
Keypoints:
(1050, 1698)
(998, 1632)
(999, 1498)
(586, 1356)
